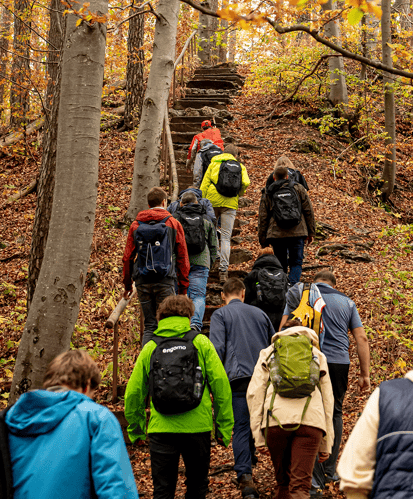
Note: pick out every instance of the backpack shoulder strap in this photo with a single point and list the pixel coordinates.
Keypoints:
(164, 219)
(192, 334)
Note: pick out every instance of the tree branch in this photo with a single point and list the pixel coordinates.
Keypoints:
(200, 8)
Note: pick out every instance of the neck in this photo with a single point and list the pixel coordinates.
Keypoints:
(232, 297)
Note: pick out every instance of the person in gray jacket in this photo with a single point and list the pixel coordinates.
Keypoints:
(239, 332)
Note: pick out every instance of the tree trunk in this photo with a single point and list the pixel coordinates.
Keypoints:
(213, 33)
(47, 169)
(134, 69)
(5, 26)
(55, 306)
(389, 170)
(20, 72)
(232, 45)
(223, 47)
(338, 87)
(204, 34)
(148, 143)
(402, 10)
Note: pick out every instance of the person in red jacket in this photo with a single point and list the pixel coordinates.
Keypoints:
(208, 132)
(151, 294)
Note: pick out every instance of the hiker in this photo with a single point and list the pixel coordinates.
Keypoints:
(297, 423)
(239, 332)
(154, 256)
(201, 242)
(180, 420)
(293, 173)
(225, 180)
(266, 286)
(286, 221)
(203, 159)
(208, 132)
(339, 315)
(206, 203)
(62, 444)
(377, 461)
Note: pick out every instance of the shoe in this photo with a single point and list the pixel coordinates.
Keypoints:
(332, 479)
(195, 327)
(247, 487)
(316, 490)
(223, 276)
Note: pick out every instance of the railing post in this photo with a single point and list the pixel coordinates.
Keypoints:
(182, 72)
(174, 89)
(115, 363)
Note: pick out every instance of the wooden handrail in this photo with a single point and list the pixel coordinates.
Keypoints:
(184, 49)
(175, 185)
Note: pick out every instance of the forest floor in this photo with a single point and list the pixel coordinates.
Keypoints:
(341, 199)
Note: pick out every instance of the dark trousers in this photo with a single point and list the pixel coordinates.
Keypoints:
(165, 449)
(290, 253)
(242, 441)
(150, 297)
(293, 455)
(339, 381)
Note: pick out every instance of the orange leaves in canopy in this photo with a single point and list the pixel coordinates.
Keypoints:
(244, 21)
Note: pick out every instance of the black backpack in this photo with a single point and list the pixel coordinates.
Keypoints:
(206, 157)
(172, 374)
(6, 477)
(297, 176)
(192, 220)
(229, 178)
(272, 284)
(286, 204)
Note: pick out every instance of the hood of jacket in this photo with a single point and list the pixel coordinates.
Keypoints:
(206, 146)
(40, 411)
(173, 326)
(192, 208)
(197, 192)
(267, 261)
(275, 185)
(312, 335)
(152, 214)
(219, 158)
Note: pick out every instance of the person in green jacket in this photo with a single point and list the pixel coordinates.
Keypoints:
(187, 434)
(224, 207)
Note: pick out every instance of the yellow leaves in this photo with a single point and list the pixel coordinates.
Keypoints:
(78, 22)
(355, 15)
(244, 21)
(401, 364)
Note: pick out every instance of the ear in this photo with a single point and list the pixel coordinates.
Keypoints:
(222, 296)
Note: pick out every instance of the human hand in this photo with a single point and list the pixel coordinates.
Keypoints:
(127, 293)
(309, 240)
(323, 456)
(363, 383)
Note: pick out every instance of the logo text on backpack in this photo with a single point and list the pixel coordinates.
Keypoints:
(171, 350)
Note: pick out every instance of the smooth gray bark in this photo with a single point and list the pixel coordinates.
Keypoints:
(204, 33)
(389, 170)
(55, 306)
(338, 87)
(223, 47)
(232, 45)
(148, 143)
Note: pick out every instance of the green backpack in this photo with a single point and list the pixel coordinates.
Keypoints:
(294, 372)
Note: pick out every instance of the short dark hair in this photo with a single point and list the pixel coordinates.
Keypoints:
(155, 197)
(189, 197)
(233, 286)
(280, 172)
(173, 306)
(292, 323)
(232, 149)
(75, 369)
(325, 275)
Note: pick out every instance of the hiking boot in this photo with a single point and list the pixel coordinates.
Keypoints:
(247, 487)
(223, 276)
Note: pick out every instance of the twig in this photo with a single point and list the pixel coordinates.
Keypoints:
(151, 11)
(27, 58)
(346, 149)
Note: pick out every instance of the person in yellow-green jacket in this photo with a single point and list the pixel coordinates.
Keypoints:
(172, 432)
(225, 180)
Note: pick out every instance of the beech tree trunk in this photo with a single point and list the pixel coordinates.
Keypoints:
(402, 10)
(223, 47)
(134, 69)
(148, 143)
(45, 186)
(232, 45)
(204, 34)
(213, 38)
(389, 170)
(338, 87)
(5, 25)
(20, 72)
(55, 306)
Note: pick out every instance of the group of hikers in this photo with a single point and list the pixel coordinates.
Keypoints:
(272, 375)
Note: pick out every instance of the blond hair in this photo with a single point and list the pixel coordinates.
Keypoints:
(283, 161)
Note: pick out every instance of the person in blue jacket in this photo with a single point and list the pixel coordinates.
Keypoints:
(206, 203)
(64, 445)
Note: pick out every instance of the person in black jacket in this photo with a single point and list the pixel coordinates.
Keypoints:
(267, 264)
(293, 173)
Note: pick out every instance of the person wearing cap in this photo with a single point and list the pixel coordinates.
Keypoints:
(208, 132)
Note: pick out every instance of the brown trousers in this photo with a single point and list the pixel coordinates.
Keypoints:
(293, 454)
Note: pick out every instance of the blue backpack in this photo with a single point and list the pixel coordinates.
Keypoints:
(154, 244)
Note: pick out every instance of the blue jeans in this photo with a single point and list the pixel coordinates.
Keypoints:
(227, 224)
(242, 442)
(290, 253)
(198, 277)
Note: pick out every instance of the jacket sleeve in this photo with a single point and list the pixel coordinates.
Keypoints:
(210, 211)
(250, 292)
(264, 217)
(128, 258)
(212, 243)
(136, 393)
(182, 258)
(221, 391)
(307, 208)
(328, 404)
(358, 460)
(256, 392)
(217, 334)
(206, 182)
(245, 180)
(111, 470)
(194, 145)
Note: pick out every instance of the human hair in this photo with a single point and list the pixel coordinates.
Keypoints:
(284, 161)
(292, 323)
(233, 286)
(204, 142)
(232, 149)
(189, 197)
(325, 276)
(75, 369)
(155, 197)
(280, 172)
(178, 305)
(265, 251)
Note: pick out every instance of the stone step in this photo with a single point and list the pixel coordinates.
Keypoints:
(185, 127)
(197, 104)
(218, 71)
(234, 77)
(182, 137)
(194, 119)
(207, 99)
(218, 84)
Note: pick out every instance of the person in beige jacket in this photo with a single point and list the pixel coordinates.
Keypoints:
(293, 453)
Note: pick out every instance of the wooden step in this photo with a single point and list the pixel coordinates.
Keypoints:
(195, 119)
(198, 104)
(219, 84)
